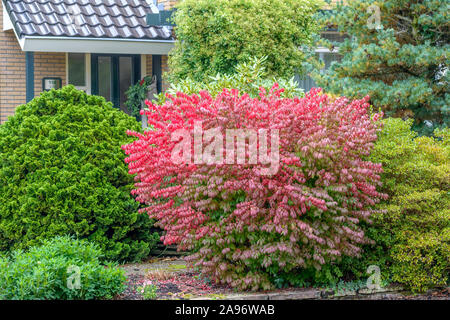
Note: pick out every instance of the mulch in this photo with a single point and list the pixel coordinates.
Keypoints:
(186, 284)
(181, 286)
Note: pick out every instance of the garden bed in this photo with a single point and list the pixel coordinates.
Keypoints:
(176, 282)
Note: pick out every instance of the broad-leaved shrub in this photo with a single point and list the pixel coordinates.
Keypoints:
(60, 268)
(243, 225)
(213, 36)
(248, 76)
(413, 228)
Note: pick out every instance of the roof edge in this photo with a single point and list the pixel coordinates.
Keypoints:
(96, 45)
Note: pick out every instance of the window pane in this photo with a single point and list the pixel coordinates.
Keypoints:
(330, 57)
(306, 82)
(125, 74)
(77, 69)
(104, 77)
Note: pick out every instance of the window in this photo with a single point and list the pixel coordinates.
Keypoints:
(326, 56)
(105, 76)
(113, 74)
(77, 70)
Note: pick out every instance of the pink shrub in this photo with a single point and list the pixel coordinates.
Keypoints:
(241, 225)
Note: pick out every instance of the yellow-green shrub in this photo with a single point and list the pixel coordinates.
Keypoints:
(411, 230)
(414, 228)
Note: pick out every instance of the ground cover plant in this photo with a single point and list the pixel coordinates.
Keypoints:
(246, 227)
(60, 268)
(62, 172)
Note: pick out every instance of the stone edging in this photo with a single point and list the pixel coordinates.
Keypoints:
(313, 294)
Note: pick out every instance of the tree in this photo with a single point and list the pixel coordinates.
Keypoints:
(215, 35)
(397, 53)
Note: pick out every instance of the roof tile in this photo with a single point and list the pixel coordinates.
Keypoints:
(84, 18)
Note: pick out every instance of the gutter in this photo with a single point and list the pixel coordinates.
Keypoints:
(96, 39)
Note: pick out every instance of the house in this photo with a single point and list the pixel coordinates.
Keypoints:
(100, 46)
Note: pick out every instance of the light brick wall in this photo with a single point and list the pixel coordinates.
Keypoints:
(48, 64)
(12, 72)
(149, 65)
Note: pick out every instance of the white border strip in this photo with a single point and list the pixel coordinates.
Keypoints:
(96, 45)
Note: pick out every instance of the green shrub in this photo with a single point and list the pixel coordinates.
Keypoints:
(61, 268)
(216, 35)
(415, 225)
(248, 77)
(422, 261)
(62, 171)
(411, 233)
(149, 291)
(136, 94)
(411, 230)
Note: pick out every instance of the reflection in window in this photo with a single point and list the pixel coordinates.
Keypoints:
(125, 75)
(104, 77)
(77, 69)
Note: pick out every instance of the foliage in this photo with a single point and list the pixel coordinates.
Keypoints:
(62, 172)
(411, 229)
(247, 77)
(422, 262)
(402, 66)
(136, 94)
(213, 36)
(50, 272)
(149, 291)
(343, 287)
(415, 225)
(244, 225)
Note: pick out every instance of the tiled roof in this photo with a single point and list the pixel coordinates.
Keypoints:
(85, 18)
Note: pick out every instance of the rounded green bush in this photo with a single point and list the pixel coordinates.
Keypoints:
(214, 36)
(413, 227)
(62, 171)
(60, 268)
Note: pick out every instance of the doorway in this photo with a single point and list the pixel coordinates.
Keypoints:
(112, 76)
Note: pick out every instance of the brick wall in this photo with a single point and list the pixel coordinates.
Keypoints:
(168, 4)
(48, 64)
(12, 72)
(149, 65)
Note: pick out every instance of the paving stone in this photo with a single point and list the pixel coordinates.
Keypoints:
(296, 295)
(248, 297)
(366, 291)
(346, 293)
